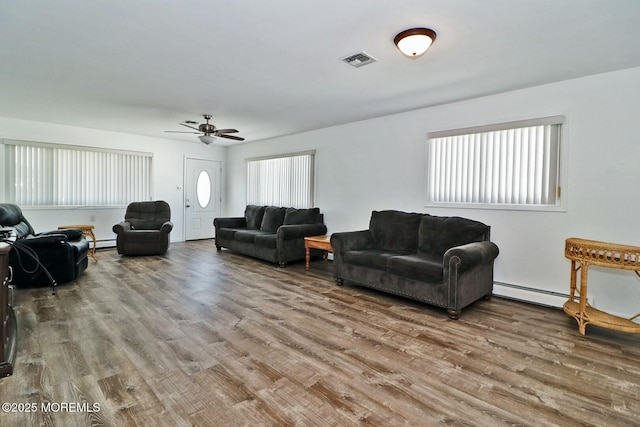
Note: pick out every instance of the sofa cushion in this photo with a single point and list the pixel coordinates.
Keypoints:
(248, 236)
(373, 258)
(295, 216)
(395, 230)
(437, 234)
(253, 215)
(421, 267)
(269, 240)
(273, 218)
(141, 237)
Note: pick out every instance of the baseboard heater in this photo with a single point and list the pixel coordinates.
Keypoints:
(530, 295)
(106, 243)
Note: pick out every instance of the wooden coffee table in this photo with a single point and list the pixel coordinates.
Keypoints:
(317, 242)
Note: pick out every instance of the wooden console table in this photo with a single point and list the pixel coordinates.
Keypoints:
(9, 332)
(584, 253)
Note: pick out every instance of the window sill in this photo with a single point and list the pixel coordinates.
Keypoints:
(498, 207)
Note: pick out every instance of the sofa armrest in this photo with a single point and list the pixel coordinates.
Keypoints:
(121, 227)
(468, 274)
(298, 231)
(71, 233)
(351, 240)
(467, 256)
(230, 222)
(42, 241)
(166, 227)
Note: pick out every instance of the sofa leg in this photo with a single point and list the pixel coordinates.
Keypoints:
(454, 314)
(218, 248)
(282, 264)
(339, 281)
(487, 297)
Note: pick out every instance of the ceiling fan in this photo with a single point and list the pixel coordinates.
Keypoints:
(209, 132)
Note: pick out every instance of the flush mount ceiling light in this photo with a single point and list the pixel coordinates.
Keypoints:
(414, 42)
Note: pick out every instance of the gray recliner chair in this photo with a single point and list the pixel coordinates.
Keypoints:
(145, 229)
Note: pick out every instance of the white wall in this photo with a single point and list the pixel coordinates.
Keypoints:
(168, 171)
(379, 164)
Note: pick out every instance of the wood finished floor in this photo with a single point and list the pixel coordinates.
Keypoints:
(215, 339)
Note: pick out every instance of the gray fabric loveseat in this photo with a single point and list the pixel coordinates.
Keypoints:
(443, 261)
(270, 233)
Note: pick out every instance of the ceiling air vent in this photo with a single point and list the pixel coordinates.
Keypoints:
(359, 59)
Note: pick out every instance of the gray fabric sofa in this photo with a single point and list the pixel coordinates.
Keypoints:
(442, 261)
(271, 233)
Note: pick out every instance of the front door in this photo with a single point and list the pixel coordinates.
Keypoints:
(202, 197)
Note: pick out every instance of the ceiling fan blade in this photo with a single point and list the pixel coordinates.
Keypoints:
(190, 127)
(227, 130)
(180, 131)
(236, 138)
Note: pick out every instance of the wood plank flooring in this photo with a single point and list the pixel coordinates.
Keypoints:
(200, 338)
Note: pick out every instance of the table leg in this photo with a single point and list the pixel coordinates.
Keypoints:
(92, 251)
(572, 285)
(306, 258)
(584, 317)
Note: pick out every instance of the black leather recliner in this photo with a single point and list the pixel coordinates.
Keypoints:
(145, 229)
(37, 259)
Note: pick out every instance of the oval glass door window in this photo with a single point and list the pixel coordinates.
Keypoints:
(203, 189)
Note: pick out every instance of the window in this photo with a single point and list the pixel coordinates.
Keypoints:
(285, 180)
(507, 165)
(203, 189)
(38, 174)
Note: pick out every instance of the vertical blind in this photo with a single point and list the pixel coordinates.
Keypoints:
(286, 180)
(49, 175)
(511, 164)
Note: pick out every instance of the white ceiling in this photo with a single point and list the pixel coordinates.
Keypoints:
(271, 68)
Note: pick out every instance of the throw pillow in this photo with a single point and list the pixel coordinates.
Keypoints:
(253, 215)
(437, 234)
(395, 230)
(272, 219)
(295, 216)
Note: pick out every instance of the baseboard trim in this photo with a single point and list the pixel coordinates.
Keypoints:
(530, 295)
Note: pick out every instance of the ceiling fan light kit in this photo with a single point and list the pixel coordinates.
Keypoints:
(414, 42)
(207, 139)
